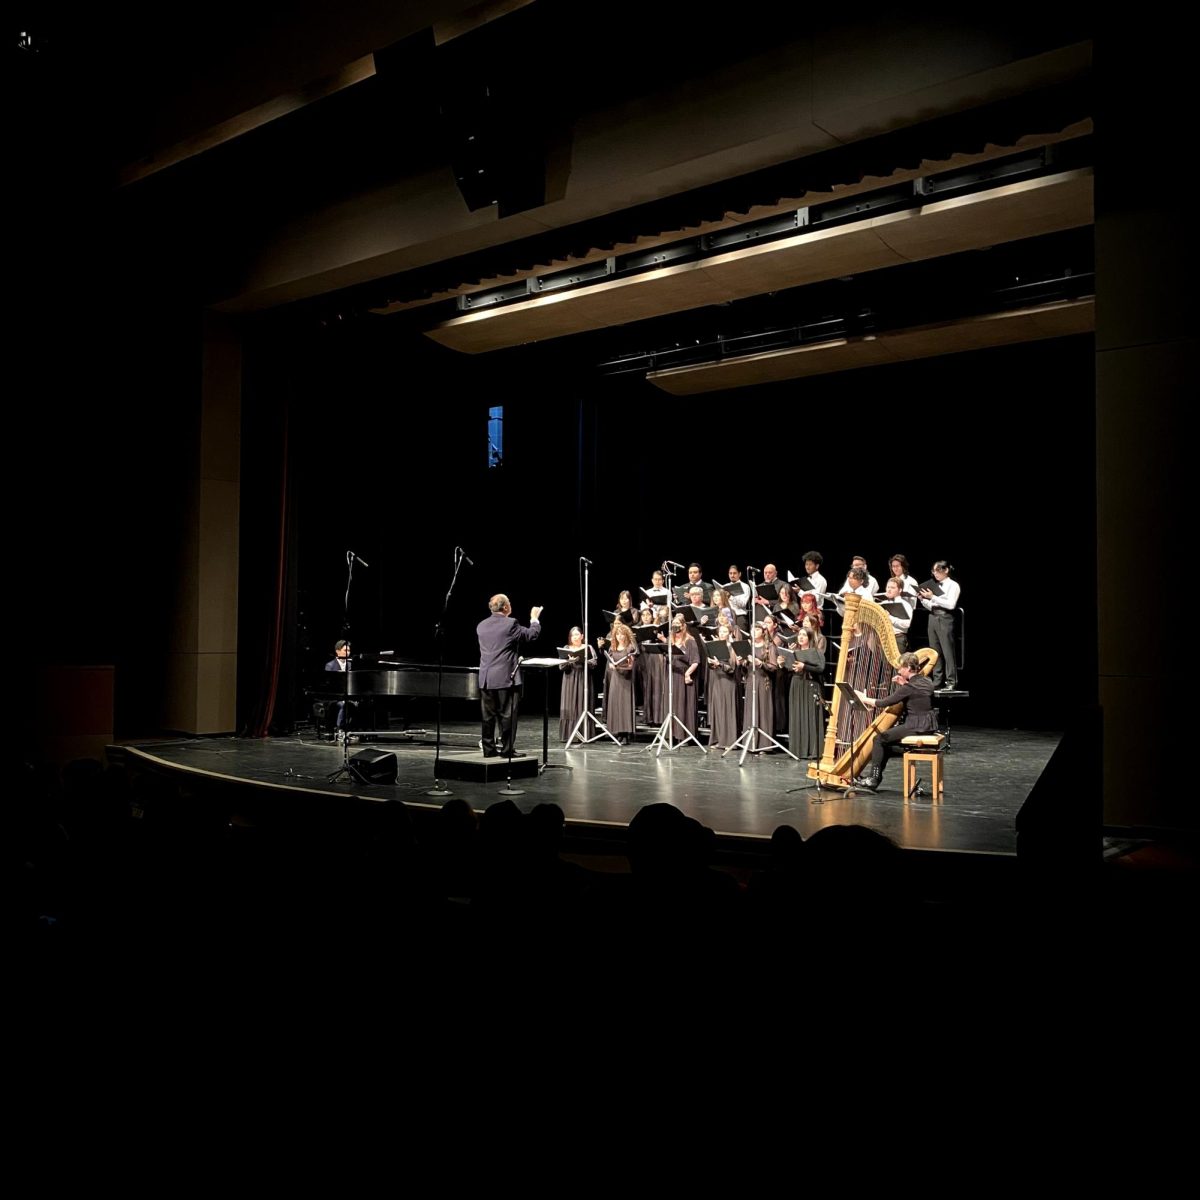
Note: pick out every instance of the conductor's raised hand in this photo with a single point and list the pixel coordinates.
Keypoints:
(535, 612)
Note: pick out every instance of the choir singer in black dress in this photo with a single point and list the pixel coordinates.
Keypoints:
(723, 682)
(620, 715)
(573, 699)
(806, 707)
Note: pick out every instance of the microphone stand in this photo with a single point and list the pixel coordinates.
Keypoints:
(816, 785)
(752, 732)
(439, 789)
(665, 734)
(347, 769)
(586, 713)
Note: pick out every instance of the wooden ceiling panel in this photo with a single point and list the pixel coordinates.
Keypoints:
(928, 341)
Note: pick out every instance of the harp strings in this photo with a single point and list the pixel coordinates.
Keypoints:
(869, 671)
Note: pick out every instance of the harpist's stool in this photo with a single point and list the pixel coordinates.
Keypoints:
(919, 748)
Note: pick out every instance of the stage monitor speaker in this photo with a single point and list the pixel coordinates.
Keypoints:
(375, 766)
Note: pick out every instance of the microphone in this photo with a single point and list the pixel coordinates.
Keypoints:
(673, 563)
(464, 556)
(586, 561)
(753, 571)
(351, 557)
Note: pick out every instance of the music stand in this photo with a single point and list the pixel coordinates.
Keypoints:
(601, 730)
(547, 664)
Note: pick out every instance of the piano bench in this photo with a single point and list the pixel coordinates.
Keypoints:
(919, 748)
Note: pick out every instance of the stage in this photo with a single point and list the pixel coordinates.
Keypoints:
(988, 774)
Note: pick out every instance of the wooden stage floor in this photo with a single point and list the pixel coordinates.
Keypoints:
(989, 773)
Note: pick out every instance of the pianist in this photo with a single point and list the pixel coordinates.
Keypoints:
(500, 638)
(340, 662)
(341, 657)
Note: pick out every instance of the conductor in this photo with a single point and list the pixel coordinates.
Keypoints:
(500, 638)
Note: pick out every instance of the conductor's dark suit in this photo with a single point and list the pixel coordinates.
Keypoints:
(500, 639)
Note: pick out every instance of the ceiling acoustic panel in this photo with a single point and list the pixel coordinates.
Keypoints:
(1006, 213)
(903, 345)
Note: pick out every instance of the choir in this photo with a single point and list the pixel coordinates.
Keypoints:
(734, 656)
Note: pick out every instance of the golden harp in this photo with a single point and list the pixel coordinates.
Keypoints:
(867, 660)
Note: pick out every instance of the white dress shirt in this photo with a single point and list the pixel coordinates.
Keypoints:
(870, 588)
(840, 599)
(900, 624)
(739, 597)
(819, 585)
(948, 600)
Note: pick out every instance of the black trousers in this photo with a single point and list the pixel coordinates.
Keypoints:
(885, 741)
(499, 707)
(941, 639)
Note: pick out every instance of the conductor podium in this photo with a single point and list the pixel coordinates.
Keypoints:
(475, 768)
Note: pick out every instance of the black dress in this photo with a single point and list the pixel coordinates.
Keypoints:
(781, 686)
(806, 720)
(762, 679)
(571, 697)
(723, 704)
(651, 668)
(683, 695)
(619, 714)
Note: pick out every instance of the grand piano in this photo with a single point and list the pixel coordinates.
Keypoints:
(376, 682)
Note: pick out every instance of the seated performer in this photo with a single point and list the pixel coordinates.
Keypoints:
(915, 692)
(572, 699)
(340, 662)
(341, 656)
(500, 638)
